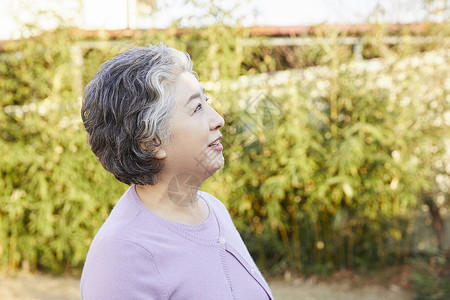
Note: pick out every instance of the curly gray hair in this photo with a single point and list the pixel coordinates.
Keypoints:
(126, 108)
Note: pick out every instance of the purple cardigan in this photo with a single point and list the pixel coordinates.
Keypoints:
(137, 254)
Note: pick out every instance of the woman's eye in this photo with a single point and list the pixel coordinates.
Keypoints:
(199, 106)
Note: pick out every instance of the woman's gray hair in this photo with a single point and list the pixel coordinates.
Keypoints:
(126, 108)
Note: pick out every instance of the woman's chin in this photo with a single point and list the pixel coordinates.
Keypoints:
(213, 168)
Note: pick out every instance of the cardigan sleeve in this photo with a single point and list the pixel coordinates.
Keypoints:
(123, 270)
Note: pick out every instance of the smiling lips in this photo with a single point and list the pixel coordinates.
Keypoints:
(216, 145)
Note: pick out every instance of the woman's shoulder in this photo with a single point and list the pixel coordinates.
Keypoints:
(215, 203)
(211, 199)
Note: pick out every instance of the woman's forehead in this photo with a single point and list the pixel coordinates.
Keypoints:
(187, 86)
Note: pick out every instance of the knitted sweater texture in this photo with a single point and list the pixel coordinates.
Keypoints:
(137, 254)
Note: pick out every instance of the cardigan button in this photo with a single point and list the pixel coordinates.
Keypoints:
(252, 270)
(222, 240)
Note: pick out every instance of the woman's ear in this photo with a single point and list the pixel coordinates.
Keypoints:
(160, 152)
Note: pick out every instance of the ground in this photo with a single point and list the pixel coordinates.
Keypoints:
(386, 285)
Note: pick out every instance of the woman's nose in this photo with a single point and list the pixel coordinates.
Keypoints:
(217, 121)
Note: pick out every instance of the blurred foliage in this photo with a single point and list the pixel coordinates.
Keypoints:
(323, 172)
(335, 175)
(431, 276)
(48, 207)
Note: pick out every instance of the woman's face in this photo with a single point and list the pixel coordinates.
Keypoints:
(194, 126)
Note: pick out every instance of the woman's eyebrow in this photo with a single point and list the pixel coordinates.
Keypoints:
(194, 96)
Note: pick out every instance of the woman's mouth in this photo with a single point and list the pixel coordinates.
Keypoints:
(216, 145)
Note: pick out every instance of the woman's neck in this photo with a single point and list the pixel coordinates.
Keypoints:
(175, 200)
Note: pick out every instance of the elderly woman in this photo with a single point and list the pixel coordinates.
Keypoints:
(149, 123)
